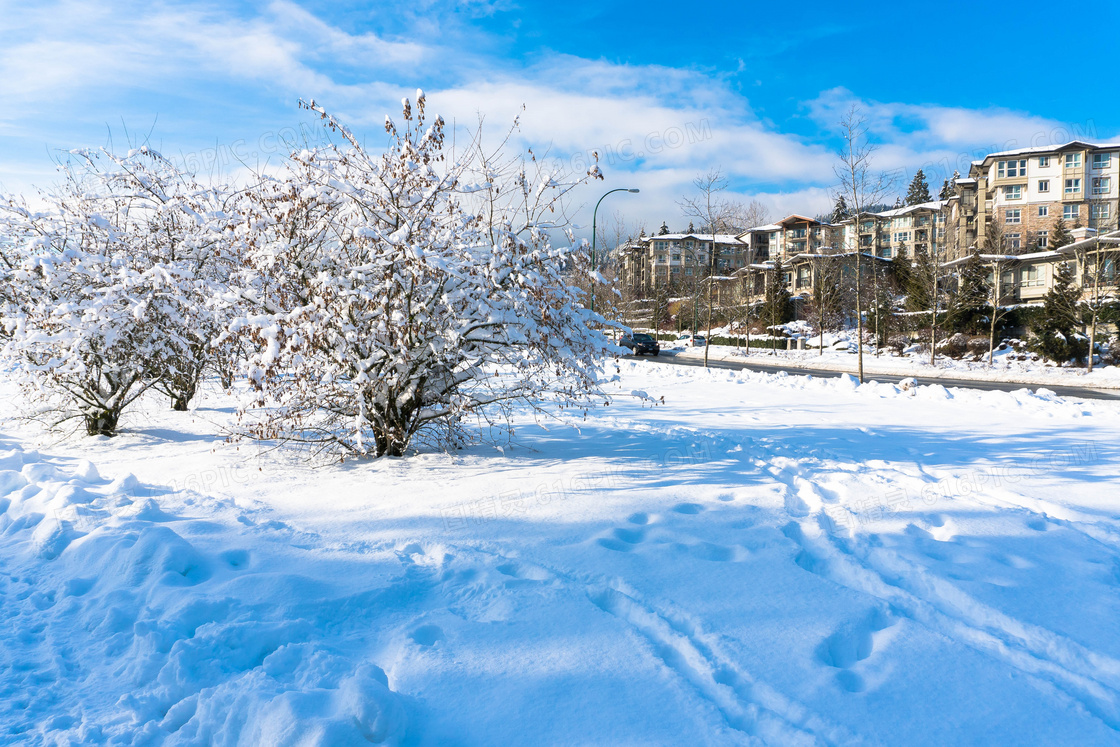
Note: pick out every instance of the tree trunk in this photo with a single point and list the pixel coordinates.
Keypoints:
(102, 422)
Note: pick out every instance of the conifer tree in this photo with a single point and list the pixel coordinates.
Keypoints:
(664, 230)
(1056, 325)
(1059, 235)
(918, 295)
(901, 269)
(946, 191)
(919, 189)
(898, 203)
(839, 211)
(777, 308)
(971, 296)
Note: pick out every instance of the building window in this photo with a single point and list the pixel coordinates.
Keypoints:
(901, 237)
(1073, 186)
(1013, 216)
(1102, 160)
(1071, 212)
(1073, 160)
(886, 253)
(1043, 185)
(675, 270)
(1031, 277)
(1100, 212)
(1043, 239)
(1101, 185)
(676, 258)
(1012, 168)
(1043, 211)
(1014, 240)
(688, 271)
(661, 258)
(1013, 192)
(1043, 161)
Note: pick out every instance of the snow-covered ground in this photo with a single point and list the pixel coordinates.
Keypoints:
(1005, 365)
(762, 558)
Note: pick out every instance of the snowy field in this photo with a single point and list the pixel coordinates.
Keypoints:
(761, 559)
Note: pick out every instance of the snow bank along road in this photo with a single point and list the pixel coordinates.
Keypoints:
(763, 559)
(987, 386)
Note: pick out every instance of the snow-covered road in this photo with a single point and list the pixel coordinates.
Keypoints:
(761, 559)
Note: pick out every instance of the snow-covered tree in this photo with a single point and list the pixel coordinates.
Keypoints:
(392, 294)
(103, 298)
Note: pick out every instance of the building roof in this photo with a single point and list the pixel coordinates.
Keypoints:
(1079, 144)
(794, 219)
(721, 238)
(894, 212)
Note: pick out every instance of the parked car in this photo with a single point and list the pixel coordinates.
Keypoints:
(641, 344)
(695, 341)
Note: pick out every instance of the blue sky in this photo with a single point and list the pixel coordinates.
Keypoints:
(665, 91)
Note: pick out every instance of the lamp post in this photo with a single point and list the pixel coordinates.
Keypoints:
(594, 216)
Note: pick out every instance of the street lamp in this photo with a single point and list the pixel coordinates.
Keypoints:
(594, 216)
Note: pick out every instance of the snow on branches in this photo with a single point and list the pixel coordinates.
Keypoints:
(106, 287)
(389, 294)
(369, 298)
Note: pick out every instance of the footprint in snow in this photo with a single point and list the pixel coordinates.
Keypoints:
(427, 635)
(690, 509)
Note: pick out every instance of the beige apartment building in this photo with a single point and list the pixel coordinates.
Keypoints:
(1024, 191)
(1006, 205)
(678, 258)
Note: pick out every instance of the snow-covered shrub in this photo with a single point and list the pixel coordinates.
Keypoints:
(898, 343)
(391, 293)
(978, 345)
(100, 303)
(955, 346)
(183, 227)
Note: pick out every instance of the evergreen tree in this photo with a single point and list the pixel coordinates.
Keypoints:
(953, 181)
(840, 211)
(691, 229)
(1056, 325)
(971, 298)
(664, 230)
(946, 191)
(919, 284)
(777, 308)
(901, 269)
(898, 203)
(1059, 236)
(919, 189)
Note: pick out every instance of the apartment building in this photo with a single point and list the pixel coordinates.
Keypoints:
(1007, 205)
(787, 238)
(1024, 191)
(884, 234)
(678, 257)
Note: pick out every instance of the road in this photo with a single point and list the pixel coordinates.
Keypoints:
(1079, 392)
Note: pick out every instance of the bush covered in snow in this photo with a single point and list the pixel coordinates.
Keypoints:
(368, 297)
(389, 293)
(109, 288)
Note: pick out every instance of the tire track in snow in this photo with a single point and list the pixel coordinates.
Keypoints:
(747, 705)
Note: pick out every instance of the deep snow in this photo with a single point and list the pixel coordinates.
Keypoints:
(762, 558)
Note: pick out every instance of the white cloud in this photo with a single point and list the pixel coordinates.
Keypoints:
(655, 127)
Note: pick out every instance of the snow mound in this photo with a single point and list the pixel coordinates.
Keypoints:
(122, 628)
